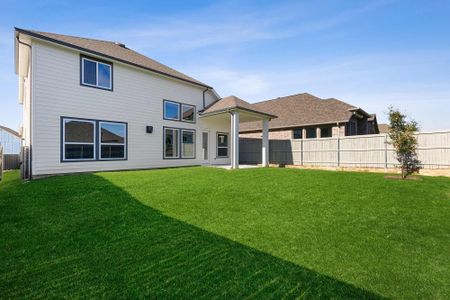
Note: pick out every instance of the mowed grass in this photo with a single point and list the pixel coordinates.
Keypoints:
(210, 233)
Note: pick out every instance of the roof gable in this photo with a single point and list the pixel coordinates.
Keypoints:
(233, 102)
(302, 110)
(10, 131)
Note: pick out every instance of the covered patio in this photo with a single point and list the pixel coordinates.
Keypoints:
(239, 111)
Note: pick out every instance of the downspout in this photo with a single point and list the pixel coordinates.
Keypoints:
(204, 100)
(30, 117)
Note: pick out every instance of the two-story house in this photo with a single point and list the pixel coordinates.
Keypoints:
(93, 105)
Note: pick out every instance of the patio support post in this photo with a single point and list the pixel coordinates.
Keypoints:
(265, 143)
(235, 140)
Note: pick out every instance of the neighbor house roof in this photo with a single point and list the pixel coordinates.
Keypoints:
(384, 128)
(9, 130)
(302, 110)
(111, 50)
(231, 103)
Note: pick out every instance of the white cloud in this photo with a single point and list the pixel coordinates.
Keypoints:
(227, 25)
(411, 82)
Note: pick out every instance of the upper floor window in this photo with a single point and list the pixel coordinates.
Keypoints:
(171, 110)
(188, 113)
(176, 111)
(96, 73)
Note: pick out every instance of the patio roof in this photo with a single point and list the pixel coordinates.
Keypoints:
(233, 103)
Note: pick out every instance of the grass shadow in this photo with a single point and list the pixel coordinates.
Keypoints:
(82, 236)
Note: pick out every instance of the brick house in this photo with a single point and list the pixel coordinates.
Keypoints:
(307, 116)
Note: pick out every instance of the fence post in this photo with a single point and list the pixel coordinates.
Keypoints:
(1, 162)
(338, 151)
(301, 151)
(385, 153)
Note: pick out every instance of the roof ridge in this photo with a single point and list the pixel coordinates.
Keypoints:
(293, 95)
(73, 36)
(335, 99)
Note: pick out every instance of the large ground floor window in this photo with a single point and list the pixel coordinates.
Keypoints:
(179, 143)
(81, 141)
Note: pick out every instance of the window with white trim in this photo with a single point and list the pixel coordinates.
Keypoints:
(171, 110)
(171, 143)
(78, 139)
(112, 140)
(187, 143)
(95, 73)
(176, 111)
(222, 144)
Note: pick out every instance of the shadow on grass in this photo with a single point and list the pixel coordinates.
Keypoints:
(82, 236)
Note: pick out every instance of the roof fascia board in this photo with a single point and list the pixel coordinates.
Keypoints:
(225, 110)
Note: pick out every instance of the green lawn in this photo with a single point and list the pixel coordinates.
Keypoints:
(211, 233)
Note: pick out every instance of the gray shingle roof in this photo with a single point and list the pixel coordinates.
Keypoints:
(301, 110)
(384, 128)
(233, 102)
(112, 50)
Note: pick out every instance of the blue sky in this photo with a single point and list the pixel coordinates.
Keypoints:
(368, 53)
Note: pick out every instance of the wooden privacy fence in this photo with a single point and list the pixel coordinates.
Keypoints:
(11, 161)
(363, 151)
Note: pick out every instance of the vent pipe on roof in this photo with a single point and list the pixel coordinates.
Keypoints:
(120, 44)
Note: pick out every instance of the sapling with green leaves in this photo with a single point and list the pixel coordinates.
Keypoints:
(402, 137)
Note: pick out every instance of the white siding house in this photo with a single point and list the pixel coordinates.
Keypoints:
(9, 140)
(50, 89)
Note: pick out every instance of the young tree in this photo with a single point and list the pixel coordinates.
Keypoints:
(401, 133)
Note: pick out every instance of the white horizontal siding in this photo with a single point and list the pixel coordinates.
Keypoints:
(137, 99)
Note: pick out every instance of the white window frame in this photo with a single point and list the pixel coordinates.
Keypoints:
(100, 144)
(179, 110)
(177, 140)
(96, 68)
(223, 147)
(181, 113)
(64, 143)
(194, 141)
